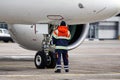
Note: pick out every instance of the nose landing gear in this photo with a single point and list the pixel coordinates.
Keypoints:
(44, 61)
(45, 58)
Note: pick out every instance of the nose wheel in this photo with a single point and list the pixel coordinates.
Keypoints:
(45, 58)
(51, 60)
(42, 60)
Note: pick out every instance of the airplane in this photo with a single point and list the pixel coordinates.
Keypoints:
(31, 22)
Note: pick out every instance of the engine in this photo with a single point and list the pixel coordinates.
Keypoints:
(27, 37)
(78, 34)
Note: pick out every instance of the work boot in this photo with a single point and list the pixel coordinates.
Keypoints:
(58, 71)
(67, 70)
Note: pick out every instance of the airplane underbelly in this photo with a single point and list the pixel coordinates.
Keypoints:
(72, 11)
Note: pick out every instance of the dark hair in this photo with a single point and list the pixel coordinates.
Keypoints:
(62, 23)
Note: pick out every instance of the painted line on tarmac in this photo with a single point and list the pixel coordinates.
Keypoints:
(31, 57)
(68, 76)
(65, 74)
(15, 58)
(96, 54)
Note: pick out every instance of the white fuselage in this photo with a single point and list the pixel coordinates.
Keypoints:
(48, 11)
(21, 14)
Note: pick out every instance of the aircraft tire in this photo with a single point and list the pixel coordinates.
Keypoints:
(40, 60)
(6, 41)
(51, 60)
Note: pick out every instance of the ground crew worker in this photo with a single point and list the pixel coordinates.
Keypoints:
(60, 38)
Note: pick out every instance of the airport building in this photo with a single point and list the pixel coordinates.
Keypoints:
(108, 29)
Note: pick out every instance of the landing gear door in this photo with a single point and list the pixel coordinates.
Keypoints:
(42, 29)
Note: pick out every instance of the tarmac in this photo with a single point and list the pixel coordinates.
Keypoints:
(92, 60)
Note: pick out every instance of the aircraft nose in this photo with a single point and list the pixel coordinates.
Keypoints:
(116, 3)
(115, 6)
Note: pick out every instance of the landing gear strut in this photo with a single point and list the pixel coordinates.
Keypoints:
(45, 58)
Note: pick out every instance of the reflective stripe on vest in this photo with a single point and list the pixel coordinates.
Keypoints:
(61, 47)
(54, 35)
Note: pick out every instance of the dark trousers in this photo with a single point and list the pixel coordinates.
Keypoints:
(64, 54)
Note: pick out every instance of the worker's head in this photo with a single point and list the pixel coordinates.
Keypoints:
(63, 23)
